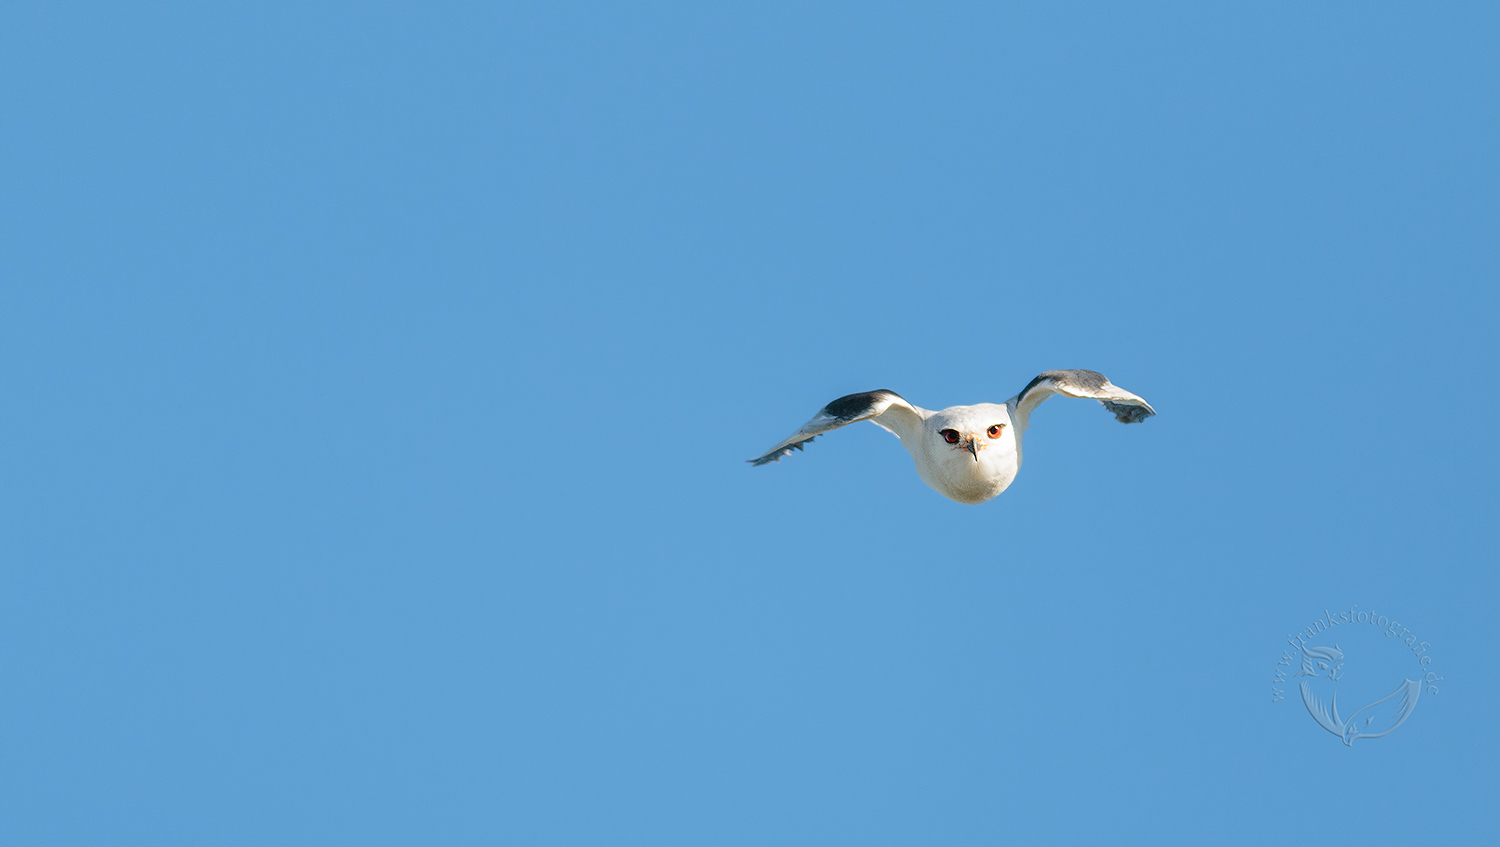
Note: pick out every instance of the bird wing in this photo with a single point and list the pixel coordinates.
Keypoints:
(1092, 385)
(1386, 720)
(1326, 714)
(886, 409)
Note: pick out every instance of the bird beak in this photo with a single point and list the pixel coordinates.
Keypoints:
(973, 446)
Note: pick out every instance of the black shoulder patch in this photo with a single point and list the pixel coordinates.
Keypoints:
(852, 406)
(1092, 380)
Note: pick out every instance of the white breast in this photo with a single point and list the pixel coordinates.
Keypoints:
(955, 474)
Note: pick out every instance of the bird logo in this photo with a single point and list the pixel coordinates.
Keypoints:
(1373, 721)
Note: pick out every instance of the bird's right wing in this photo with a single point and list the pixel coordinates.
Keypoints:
(1326, 714)
(887, 409)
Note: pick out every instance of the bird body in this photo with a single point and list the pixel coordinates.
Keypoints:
(1320, 663)
(966, 453)
(976, 467)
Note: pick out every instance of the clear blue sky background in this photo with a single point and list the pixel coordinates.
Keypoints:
(377, 381)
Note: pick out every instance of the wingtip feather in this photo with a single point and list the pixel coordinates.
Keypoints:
(780, 453)
(1129, 413)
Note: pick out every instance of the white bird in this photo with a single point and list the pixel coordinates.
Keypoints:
(965, 453)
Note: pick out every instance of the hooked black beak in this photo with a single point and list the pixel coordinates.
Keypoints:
(973, 446)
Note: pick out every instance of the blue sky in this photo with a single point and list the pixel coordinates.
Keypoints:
(379, 378)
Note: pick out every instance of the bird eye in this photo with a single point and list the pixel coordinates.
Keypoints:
(950, 436)
(995, 430)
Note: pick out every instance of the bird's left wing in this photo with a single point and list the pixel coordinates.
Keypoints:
(1092, 385)
(884, 408)
(1402, 702)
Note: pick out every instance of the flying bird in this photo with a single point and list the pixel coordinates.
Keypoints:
(965, 453)
(1328, 663)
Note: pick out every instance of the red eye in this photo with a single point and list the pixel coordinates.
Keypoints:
(995, 430)
(950, 436)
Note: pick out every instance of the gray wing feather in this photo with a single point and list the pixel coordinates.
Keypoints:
(1126, 407)
(846, 410)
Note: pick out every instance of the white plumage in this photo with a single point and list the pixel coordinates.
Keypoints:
(966, 453)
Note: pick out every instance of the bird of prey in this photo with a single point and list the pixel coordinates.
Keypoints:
(1322, 661)
(965, 453)
(1328, 663)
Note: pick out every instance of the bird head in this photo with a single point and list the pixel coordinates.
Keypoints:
(967, 431)
(1322, 662)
